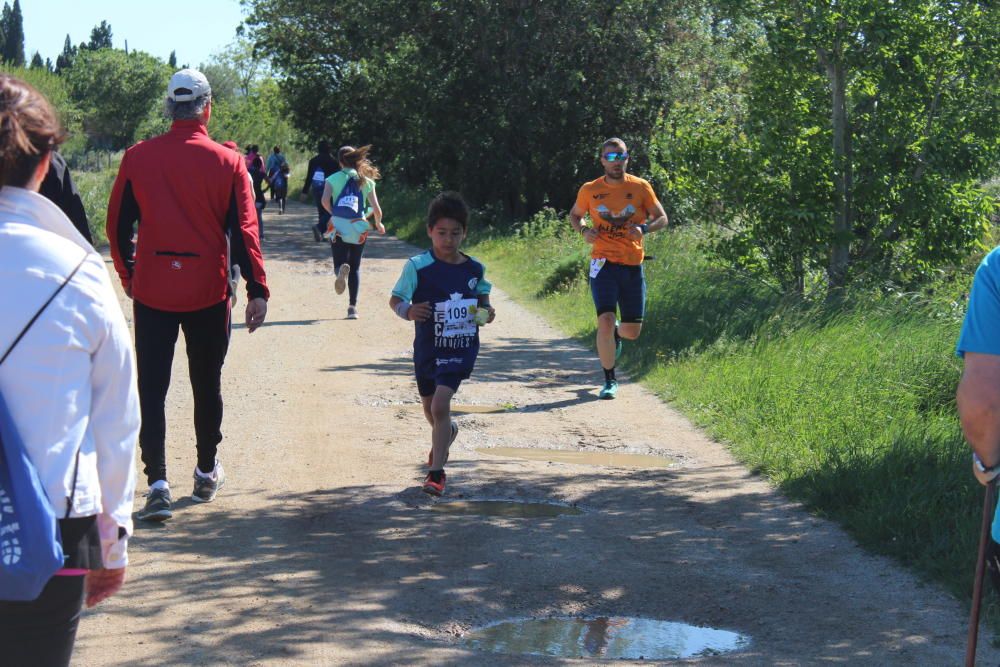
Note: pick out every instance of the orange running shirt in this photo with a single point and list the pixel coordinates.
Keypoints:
(613, 209)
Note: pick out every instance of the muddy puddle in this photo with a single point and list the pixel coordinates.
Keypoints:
(604, 637)
(606, 459)
(504, 508)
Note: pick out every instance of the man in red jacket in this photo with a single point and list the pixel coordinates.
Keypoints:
(194, 206)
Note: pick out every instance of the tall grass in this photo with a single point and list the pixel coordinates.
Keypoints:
(848, 408)
(95, 190)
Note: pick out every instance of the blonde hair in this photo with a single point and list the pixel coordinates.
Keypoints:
(29, 130)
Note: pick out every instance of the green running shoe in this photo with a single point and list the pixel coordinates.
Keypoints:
(609, 390)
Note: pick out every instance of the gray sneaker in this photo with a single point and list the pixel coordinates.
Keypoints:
(205, 488)
(157, 506)
(340, 284)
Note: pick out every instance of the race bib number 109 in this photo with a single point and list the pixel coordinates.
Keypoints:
(458, 316)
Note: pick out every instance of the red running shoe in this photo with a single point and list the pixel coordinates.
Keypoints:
(434, 488)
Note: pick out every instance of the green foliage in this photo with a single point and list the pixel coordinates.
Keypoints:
(57, 92)
(115, 92)
(65, 59)
(100, 37)
(505, 102)
(95, 190)
(12, 33)
(259, 118)
(853, 142)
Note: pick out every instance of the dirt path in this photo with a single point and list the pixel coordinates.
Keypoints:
(321, 549)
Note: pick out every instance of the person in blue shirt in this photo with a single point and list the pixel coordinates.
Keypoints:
(446, 294)
(279, 186)
(978, 395)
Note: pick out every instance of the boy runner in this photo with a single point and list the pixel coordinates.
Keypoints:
(442, 291)
(622, 209)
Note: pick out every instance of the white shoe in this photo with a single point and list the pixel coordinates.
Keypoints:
(341, 284)
(352, 313)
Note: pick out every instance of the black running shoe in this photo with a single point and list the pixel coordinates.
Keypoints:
(157, 506)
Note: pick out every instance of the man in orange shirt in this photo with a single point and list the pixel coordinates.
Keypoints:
(622, 209)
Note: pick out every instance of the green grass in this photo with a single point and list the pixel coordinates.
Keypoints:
(95, 190)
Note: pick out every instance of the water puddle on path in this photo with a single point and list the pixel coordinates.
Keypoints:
(474, 409)
(604, 637)
(606, 459)
(504, 508)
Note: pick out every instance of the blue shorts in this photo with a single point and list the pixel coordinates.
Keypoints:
(426, 386)
(620, 288)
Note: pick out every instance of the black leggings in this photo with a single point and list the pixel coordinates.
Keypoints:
(206, 333)
(41, 633)
(350, 254)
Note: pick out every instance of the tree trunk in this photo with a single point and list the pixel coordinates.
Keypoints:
(843, 176)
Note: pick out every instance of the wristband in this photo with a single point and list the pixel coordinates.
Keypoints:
(403, 310)
(644, 228)
(981, 467)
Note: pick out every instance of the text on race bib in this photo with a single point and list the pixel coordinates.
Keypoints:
(457, 317)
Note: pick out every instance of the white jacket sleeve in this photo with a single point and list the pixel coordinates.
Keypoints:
(114, 419)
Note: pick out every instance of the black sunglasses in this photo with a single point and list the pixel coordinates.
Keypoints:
(616, 157)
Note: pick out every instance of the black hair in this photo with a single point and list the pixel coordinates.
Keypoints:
(448, 205)
(323, 147)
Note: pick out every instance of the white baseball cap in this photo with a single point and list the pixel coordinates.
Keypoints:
(187, 85)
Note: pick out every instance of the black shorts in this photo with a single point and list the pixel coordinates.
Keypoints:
(619, 287)
(426, 386)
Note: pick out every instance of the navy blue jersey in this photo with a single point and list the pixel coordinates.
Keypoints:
(448, 342)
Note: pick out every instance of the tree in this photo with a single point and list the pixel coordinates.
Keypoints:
(244, 59)
(13, 31)
(100, 37)
(36, 61)
(115, 92)
(172, 60)
(506, 100)
(225, 81)
(858, 140)
(65, 59)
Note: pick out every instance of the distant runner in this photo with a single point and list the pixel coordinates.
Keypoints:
(321, 166)
(445, 292)
(622, 209)
(349, 197)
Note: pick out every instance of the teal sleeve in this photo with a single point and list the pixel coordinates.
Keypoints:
(484, 286)
(982, 319)
(337, 182)
(407, 283)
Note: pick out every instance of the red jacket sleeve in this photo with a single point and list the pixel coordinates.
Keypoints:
(241, 221)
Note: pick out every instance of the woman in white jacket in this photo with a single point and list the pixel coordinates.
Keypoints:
(69, 384)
